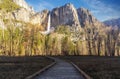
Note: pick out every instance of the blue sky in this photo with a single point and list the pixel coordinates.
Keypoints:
(101, 9)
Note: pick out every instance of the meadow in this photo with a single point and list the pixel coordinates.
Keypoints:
(21, 67)
(97, 67)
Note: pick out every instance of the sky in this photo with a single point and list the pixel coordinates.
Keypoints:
(101, 9)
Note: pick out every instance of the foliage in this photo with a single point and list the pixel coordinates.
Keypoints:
(27, 40)
(68, 47)
(63, 30)
(8, 5)
(5, 21)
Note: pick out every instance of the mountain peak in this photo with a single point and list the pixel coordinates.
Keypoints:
(69, 4)
(65, 15)
(84, 9)
(113, 22)
(86, 18)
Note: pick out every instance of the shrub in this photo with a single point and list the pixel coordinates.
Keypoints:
(8, 5)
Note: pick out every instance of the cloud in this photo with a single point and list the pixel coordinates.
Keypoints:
(100, 8)
(44, 5)
(40, 5)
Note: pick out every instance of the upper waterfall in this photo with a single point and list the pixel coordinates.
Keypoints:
(49, 22)
(48, 25)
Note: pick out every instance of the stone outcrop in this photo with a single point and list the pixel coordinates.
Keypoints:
(87, 19)
(22, 14)
(69, 15)
(65, 15)
(40, 17)
(23, 4)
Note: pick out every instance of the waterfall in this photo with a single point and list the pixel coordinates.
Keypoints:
(49, 23)
(48, 26)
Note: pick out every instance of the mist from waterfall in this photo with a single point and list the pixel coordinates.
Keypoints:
(48, 25)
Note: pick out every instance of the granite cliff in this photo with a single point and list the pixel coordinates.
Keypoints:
(64, 15)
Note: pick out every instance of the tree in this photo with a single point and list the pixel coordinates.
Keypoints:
(8, 5)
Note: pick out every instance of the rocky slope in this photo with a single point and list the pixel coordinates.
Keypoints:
(24, 13)
(21, 14)
(87, 19)
(40, 18)
(23, 4)
(113, 22)
(69, 15)
(64, 15)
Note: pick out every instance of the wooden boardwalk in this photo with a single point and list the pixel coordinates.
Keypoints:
(61, 70)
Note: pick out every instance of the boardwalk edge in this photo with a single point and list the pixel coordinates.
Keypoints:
(82, 72)
(40, 71)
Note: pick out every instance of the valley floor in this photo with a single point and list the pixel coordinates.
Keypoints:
(21, 67)
(97, 67)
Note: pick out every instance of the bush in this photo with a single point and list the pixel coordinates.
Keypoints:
(63, 30)
(8, 5)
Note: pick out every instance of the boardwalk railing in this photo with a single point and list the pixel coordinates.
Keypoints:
(41, 71)
(82, 72)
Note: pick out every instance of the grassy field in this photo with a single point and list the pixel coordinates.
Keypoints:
(21, 67)
(97, 67)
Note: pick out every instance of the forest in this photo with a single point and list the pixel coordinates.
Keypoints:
(65, 40)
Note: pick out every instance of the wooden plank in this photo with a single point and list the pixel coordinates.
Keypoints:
(41, 71)
(62, 70)
(82, 72)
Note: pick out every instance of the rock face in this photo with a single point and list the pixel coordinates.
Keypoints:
(113, 22)
(27, 14)
(40, 17)
(87, 19)
(22, 14)
(23, 4)
(65, 15)
(69, 15)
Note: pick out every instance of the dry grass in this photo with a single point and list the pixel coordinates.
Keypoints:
(98, 67)
(21, 67)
